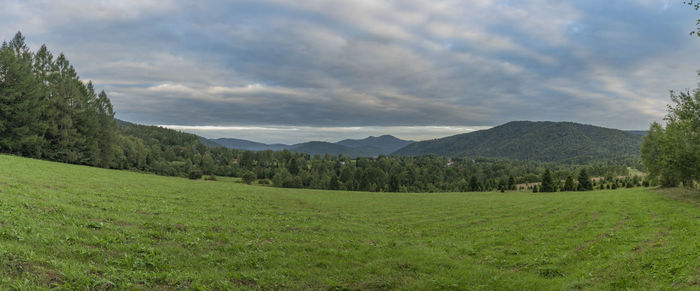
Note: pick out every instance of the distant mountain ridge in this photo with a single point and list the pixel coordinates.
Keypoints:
(367, 147)
(542, 141)
(242, 144)
(385, 144)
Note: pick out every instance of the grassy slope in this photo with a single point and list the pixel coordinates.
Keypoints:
(87, 227)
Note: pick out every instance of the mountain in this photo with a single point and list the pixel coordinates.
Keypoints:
(639, 132)
(242, 144)
(209, 142)
(333, 149)
(381, 145)
(542, 141)
(367, 147)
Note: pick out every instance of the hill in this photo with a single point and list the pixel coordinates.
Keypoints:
(74, 227)
(380, 145)
(367, 147)
(209, 142)
(242, 144)
(321, 148)
(639, 132)
(543, 141)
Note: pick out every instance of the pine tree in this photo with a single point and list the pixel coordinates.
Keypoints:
(107, 134)
(474, 184)
(547, 182)
(511, 182)
(569, 184)
(584, 181)
(21, 126)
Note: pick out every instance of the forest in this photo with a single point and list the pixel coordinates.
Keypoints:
(48, 112)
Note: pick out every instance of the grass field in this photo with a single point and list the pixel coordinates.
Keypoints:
(78, 227)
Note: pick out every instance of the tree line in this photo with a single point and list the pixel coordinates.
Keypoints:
(672, 152)
(48, 112)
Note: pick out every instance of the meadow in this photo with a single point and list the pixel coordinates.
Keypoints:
(75, 227)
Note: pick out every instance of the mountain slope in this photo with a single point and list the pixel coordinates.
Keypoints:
(367, 147)
(242, 144)
(209, 142)
(544, 141)
(380, 145)
(321, 148)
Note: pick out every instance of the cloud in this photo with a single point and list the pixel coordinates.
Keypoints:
(372, 64)
(298, 134)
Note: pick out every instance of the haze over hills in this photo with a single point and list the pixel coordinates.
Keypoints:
(242, 144)
(543, 141)
(367, 147)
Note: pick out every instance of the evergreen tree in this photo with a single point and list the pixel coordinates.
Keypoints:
(474, 184)
(584, 181)
(21, 126)
(511, 182)
(547, 182)
(569, 184)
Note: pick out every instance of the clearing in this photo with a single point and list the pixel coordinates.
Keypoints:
(81, 227)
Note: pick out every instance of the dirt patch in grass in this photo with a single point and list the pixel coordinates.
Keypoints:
(652, 242)
(616, 228)
(15, 266)
(587, 221)
(691, 196)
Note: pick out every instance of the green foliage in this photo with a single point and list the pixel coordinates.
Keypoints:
(584, 181)
(569, 183)
(560, 142)
(46, 111)
(248, 177)
(195, 174)
(672, 154)
(695, 5)
(547, 182)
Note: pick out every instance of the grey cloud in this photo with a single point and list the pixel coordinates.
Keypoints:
(372, 63)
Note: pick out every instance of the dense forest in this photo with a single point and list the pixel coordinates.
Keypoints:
(561, 142)
(48, 112)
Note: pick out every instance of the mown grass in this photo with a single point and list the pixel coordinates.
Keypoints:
(74, 227)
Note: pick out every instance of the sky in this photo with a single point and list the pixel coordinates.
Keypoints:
(291, 71)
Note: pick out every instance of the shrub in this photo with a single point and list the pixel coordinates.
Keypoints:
(195, 174)
(248, 177)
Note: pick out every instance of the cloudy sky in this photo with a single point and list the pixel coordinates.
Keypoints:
(290, 71)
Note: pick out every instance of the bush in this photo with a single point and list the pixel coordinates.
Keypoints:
(210, 178)
(264, 182)
(248, 177)
(195, 174)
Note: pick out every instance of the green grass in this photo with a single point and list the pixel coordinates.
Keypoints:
(86, 228)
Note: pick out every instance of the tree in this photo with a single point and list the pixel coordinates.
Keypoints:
(695, 4)
(511, 182)
(248, 177)
(584, 181)
(547, 182)
(474, 184)
(673, 153)
(569, 184)
(293, 168)
(334, 183)
(21, 125)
